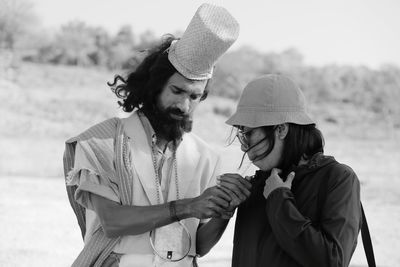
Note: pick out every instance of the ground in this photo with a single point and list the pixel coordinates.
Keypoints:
(39, 227)
(48, 104)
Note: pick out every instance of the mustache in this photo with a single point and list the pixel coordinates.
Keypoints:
(178, 112)
(171, 122)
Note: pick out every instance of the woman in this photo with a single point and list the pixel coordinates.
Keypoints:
(286, 221)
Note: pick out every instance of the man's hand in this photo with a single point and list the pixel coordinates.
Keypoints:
(274, 181)
(213, 202)
(236, 187)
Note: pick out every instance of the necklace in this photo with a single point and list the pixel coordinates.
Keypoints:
(168, 257)
(157, 178)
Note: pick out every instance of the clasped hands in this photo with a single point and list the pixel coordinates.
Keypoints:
(220, 201)
(232, 189)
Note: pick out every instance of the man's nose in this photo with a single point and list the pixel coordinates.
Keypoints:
(184, 105)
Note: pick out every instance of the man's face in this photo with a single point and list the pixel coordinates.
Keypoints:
(176, 104)
(180, 96)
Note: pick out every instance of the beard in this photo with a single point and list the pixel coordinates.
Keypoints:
(170, 127)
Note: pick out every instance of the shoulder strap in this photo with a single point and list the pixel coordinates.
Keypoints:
(366, 238)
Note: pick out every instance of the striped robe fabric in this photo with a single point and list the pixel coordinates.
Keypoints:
(104, 145)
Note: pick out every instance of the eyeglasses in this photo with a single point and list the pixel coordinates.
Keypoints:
(244, 136)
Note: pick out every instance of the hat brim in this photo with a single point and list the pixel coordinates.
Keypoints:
(257, 119)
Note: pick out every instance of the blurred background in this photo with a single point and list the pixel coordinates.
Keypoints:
(56, 57)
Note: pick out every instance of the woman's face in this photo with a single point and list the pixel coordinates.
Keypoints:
(256, 144)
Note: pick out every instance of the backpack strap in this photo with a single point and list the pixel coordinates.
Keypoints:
(365, 235)
(366, 239)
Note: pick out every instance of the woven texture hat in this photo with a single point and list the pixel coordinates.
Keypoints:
(270, 100)
(210, 33)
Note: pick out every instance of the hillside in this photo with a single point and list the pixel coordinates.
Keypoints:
(43, 105)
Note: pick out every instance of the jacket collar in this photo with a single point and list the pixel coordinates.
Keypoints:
(317, 161)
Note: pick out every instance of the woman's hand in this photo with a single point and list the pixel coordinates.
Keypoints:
(237, 187)
(274, 181)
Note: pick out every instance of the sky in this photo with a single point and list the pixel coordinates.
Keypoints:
(344, 32)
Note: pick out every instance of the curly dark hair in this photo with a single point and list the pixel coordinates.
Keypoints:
(143, 85)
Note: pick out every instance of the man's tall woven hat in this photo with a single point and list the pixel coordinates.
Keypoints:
(210, 33)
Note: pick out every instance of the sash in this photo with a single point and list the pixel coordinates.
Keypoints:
(105, 146)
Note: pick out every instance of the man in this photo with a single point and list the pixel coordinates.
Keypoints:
(143, 187)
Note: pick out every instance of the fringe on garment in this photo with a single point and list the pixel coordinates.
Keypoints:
(73, 176)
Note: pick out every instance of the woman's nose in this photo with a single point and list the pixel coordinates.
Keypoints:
(244, 147)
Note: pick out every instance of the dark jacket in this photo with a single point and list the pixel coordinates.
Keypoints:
(287, 230)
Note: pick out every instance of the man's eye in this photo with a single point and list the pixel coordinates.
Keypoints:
(195, 97)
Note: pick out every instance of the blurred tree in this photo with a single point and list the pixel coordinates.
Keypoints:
(234, 70)
(389, 93)
(75, 42)
(127, 51)
(313, 83)
(147, 39)
(288, 61)
(374, 90)
(17, 23)
(122, 49)
(16, 19)
(100, 56)
(125, 35)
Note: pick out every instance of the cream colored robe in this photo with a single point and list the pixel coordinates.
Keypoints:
(125, 173)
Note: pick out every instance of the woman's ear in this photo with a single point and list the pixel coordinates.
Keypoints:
(282, 130)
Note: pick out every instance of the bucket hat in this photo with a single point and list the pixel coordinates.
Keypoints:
(209, 34)
(270, 100)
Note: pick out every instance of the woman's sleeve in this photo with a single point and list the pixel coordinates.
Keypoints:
(334, 242)
(89, 181)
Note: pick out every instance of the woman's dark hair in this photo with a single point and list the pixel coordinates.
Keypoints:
(300, 141)
(142, 86)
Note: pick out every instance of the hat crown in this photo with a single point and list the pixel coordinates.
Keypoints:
(271, 100)
(209, 34)
(273, 92)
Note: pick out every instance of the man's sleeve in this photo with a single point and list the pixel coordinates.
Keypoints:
(88, 181)
(213, 179)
